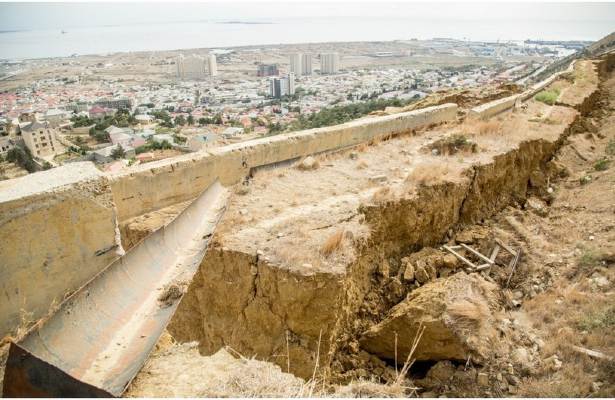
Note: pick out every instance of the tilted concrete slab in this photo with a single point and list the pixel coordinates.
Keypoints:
(101, 336)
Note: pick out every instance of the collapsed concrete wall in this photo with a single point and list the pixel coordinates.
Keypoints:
(58, 230)
(156, 185)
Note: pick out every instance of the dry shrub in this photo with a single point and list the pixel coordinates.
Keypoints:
(426, 173)
(309, 163)
(482, 127)
(382, 194)
(364, 388)
(333, 243)
(361, 147)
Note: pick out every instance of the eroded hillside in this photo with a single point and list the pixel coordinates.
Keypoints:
(331, 268)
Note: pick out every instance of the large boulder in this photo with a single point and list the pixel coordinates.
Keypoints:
(457, 313)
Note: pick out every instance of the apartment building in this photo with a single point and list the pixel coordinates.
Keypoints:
(280, 87)
(41, 139)
(329, 63)
(212, 65)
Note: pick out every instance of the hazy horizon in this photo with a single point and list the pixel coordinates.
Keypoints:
(37, 30)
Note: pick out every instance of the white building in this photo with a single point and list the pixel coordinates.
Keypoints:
(301, 64)
(329, 63)
(306, 64)
(296, 66)
(41, 139)
(212, 65)
(55, 117)
(191, 67)
(280, 87)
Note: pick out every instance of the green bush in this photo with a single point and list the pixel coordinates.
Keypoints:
(340, 114)
(601, 165)
(601, 319)
(548, 96)
(21, 157)
(610, 147)
(81, 120)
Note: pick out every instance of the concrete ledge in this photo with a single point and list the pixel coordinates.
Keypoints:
(58, 230)
(495, 107)
(492, 108)
(537, 87)
(156, 185)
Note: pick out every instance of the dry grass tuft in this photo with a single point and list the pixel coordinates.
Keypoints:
(371, 389)
(333, 243)
(382, 194)
(428, 173)
(362, 165)
(482, 127)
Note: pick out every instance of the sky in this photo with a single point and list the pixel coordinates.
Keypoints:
(34, 16)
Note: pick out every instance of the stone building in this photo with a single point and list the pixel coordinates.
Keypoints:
(41, 139)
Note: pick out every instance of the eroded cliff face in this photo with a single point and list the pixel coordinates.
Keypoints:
(240, 301)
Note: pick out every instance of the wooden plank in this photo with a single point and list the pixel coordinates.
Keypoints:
(477, 254)
(505, 247)
(513, 265)
(459, 256)
(483, 267)
(591, 353)
(495, 252)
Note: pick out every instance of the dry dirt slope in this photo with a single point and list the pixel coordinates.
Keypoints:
(562, 301)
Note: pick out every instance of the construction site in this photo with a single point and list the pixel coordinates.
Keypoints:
(450, 248)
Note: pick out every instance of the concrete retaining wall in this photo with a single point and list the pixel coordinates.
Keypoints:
(492, 108)
(57, 230)
(495, 107)
(156, 185)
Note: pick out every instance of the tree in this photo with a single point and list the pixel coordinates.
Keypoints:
(180, 120)
(22, 157)
(118, 152)
(190, 119)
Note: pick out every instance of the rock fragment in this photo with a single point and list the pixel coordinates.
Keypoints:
(456, 313)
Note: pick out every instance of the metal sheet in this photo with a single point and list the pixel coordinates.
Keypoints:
(100, 337)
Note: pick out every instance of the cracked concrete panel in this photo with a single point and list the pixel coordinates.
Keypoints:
(58, 230)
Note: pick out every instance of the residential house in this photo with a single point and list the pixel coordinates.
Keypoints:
(99, 112)
(41, 139)
(124, 137)
(5, 145)
(197, 142)
(104, 155)
(56, 117)
(231, 132)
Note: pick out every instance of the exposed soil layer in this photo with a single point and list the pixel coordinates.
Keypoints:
(136, 229)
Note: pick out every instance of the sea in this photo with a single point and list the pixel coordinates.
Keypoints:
(110, 38)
